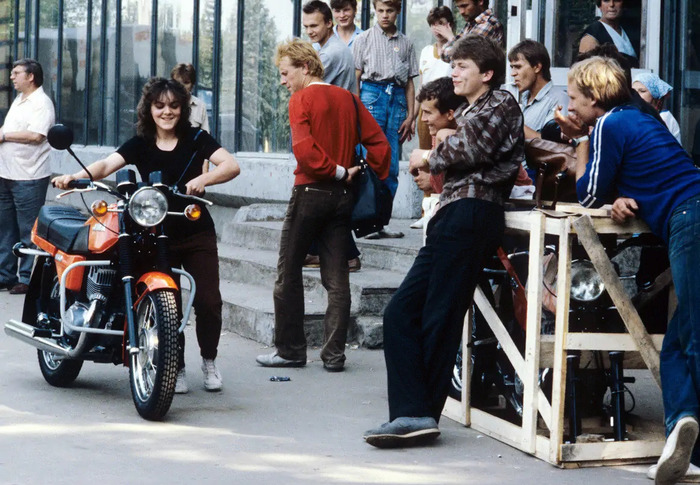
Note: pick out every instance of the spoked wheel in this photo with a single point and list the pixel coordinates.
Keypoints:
(57, 371)
(153, 369)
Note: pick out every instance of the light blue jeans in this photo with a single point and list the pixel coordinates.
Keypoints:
(387, 103)
(680, 353)
(20, 201)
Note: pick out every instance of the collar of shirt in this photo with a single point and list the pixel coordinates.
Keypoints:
(357, 32)
(543, 92)
(379, 28)
(477, 104)
(35, 94)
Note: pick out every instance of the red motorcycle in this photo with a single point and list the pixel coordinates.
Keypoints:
(102, 290)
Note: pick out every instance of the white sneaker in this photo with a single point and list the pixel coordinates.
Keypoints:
(675, 457)
(181, 382)
(691, 476)
(212, 377)
(418, 224)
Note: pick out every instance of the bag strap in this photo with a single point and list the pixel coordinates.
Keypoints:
(359, 159)
(522, 319)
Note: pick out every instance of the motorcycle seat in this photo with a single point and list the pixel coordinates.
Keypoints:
(64, 227)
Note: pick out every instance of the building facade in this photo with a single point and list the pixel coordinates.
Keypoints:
(97, 55)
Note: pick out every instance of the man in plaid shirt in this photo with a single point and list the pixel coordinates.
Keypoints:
(480, 21)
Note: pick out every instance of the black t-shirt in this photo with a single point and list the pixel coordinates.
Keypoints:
(149, 158)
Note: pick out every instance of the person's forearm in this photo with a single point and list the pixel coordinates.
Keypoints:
(410, 99)
(530, 133)
(582, 158)
(223, 172)
(27, 137)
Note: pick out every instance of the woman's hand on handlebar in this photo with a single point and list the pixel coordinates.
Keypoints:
(62, 181)
(195, 187)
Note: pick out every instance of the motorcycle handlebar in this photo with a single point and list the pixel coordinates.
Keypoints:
(79, 184)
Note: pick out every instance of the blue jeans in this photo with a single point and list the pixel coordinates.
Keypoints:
(424, 319)
(20, 201)
(680, 353)
(387, 103)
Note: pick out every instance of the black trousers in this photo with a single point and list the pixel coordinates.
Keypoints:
(424, 319)
(198, 255)
(320, 212)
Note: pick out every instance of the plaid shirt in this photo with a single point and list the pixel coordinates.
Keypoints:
(384, 58)
(482, 159)
(485, 24)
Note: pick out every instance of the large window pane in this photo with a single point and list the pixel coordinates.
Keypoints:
(135, 62)
(73, 71)
(7, 29)
(48, 47)
(265, 119)
(227, 80)
(174, 42)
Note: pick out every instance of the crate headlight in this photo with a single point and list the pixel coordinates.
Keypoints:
(586, 283)
(148, 207)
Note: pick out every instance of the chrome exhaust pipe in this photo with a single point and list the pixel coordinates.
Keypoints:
(26, 333)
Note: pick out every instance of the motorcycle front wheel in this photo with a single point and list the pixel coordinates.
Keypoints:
(153, 369)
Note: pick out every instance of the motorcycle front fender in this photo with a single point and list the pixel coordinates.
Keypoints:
(152, 281)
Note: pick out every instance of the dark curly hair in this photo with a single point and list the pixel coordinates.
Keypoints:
(155, 88)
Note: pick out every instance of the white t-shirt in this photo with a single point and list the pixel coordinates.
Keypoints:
(431, 66)
(198, 114)
(671, 124)
(27, 161)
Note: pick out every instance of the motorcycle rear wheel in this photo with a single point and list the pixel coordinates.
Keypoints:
(153, 370)
(58, 372)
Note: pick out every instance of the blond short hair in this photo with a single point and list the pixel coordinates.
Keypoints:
(601, 79)
(300, 53)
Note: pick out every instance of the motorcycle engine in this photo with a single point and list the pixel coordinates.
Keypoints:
(77, 316)
(99, 283)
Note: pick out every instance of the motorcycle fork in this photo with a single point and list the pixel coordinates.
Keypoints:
(126, 264)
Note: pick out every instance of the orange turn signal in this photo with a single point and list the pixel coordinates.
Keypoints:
(193, 212)
(98, 208)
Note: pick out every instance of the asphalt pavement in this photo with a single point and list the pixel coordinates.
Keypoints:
(305, 431)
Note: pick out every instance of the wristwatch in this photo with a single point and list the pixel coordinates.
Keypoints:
(577, 141)
(425, 158)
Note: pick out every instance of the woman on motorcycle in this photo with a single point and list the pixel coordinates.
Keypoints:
(166, 142)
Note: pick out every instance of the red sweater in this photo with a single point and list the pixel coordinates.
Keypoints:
(324, 134)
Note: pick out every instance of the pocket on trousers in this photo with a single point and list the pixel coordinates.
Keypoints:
(369, 95)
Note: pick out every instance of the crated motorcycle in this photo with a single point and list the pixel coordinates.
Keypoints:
(102, 290)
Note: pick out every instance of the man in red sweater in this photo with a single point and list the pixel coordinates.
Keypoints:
(323, 122)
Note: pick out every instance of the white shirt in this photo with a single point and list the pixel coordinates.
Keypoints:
(27, 161)
(671, 124)
(622, 42)
(198, 114)
(431, 66)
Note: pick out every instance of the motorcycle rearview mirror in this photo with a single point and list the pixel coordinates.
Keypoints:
(60, 137)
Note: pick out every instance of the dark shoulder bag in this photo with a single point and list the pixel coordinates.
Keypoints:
(373, 202)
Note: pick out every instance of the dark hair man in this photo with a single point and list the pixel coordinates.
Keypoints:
(633, 155)
(385, 65)
(424, 319)
(24, 169)
(537, 96)
(338, 64)
(439, 104)
(480, 20)
(344, 15)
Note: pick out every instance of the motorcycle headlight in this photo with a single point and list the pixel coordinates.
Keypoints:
(586, 284)
(148, 207)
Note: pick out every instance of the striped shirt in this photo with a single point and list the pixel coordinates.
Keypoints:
(384, 58)
(485, 24)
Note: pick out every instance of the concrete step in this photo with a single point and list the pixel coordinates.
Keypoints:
(370, 288)
(248, 310)
(388, 254)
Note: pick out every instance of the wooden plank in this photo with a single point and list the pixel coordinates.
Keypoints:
(561, 330)
(467, 366)
(612, 450)
(607, 341)
(530, 377)
(589, 240)
(509, 347)
(500, 429)
(454, 410)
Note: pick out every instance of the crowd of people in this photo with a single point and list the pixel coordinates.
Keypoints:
(352, 93)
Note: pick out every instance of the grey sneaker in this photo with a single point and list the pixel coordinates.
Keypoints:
(181, 382)
(403, 432)
(212, 377)
(274, 360)
(675, 458)
(691, 476)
